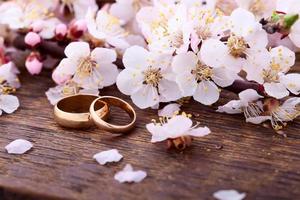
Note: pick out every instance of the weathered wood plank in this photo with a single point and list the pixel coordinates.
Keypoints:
(253, 159)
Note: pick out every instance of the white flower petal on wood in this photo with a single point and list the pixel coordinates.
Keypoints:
(104, 157)
(129, 175)
(18, 146)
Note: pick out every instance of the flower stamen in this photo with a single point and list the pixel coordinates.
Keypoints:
(237, 46)
(152, 76)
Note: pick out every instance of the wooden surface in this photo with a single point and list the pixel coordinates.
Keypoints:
(60, 166)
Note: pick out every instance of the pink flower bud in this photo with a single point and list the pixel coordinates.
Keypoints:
(61, 31)
(78, 28)
(33, 64)
(32, 39)
(59, 78)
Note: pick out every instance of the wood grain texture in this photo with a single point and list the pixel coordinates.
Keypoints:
(60, 166)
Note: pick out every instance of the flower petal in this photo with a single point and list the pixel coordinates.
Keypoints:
(109, 73)
(104, 55)
(9, 103)
(184, 62)
(177, 126)
(232, 107)
(136, 57)
(187, 84)
(291, 82)
(223, 77)
(129, 81)
(77, 50)
(199, 132)
(18, 146)
(207, 93)
(249, 95)
(104, 157)
(283, 57)
(169, 90)
(276, 90)
(229, 195)
(145, 97)
(169, 110)
(128, 175)
(212, 53)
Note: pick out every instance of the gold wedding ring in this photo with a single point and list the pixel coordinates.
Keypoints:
(73, 111)
(83, 111)
(112, 101)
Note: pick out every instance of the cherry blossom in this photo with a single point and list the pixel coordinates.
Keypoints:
(179, 126)
(276, 82)
(165, 32)
(147, 77)
(244, 47)
(195, 77)
(21, 14)
(108, 28)
(260, 8)
(249, 104)
(89, 69)
(9, 82)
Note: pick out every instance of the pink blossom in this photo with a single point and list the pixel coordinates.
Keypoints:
(33, 64)
(61, 31)
(32, 39)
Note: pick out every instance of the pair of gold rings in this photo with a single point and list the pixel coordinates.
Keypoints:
(83, 111)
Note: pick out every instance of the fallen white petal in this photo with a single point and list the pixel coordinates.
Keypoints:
(104, 157)
(18, 146)
(128, 175)
(229, 195)
(169, 110)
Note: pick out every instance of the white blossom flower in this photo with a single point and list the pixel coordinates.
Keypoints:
(104, 157)
(229, 195)
(260, 8)
(129, 175)
(274, 78)
(245, 45)
(176, 127)
(165, 32)
(18, 146)
(108, 28)
(9, 82)
(21, 14)
(279, 113)
(206, 24)
(197, 78)
(169, 110)
(291, 7)
(90, 70)
(147, 77)
(248, 104)
(69, 88)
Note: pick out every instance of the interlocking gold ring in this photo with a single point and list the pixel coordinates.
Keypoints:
(73, 111)
(102, 124)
